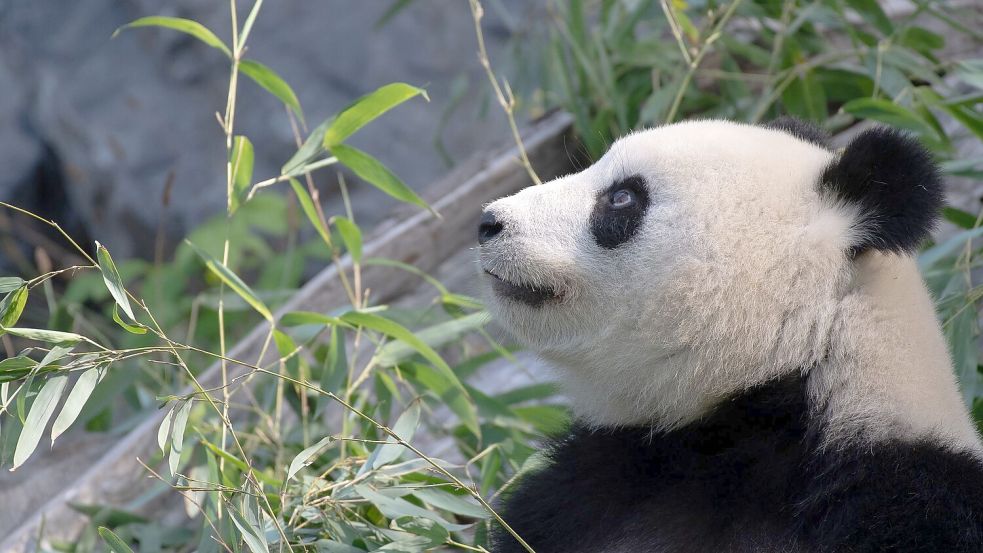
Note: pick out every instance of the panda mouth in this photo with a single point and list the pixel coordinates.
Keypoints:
(533, 296)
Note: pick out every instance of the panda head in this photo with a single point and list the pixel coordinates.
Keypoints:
(697, 259)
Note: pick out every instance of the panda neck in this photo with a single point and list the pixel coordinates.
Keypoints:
(888, 372)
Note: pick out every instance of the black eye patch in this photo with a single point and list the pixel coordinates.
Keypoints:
(619, 211)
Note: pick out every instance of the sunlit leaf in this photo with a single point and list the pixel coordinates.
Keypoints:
(297, 318)
(463, 505)
(351, 235)
(375, 173)
(307, 204)
(232, 281)
(113, 281)
(273, 83)
(435, 336)
(307, 456)
(367, 108)
(132, 329)
(311, 147)
(242, 171)
(76, 400)
(188, 26)
(164, 430)
(37, 418)
(12, 306)
(254, 537)
(41, 335)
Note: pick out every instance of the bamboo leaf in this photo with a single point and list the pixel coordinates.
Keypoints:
(186, 26)
(37, 419)
(164, 431)
(76, 400)
(247, 27)
(311, 147)
(306, 457)
(242, 171)
(351, 235)
(405, 427)
(273, 83)
(116, 545)
(367, 108)
(177, 436)
(9, 284)
(12, 306)
(49, 336)
(888, 112)
(398, 332)
(255, 538)
(232, 281)
(375, 173)
(113, 281)
(132, 329)
(307, 204)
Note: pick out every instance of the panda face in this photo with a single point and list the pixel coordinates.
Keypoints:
(691, 260)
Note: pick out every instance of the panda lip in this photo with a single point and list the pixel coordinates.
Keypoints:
(533, 296)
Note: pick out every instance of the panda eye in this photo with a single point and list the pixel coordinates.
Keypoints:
(622, 198)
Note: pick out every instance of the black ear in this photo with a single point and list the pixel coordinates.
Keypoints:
(894, 182)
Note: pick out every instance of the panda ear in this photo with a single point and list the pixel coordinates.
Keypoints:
(895, 184)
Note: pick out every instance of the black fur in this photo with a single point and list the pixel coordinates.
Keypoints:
(802, 130)
(613, 227)
(748, 478)
(896, 184)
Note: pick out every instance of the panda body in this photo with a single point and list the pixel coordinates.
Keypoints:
(753, 360)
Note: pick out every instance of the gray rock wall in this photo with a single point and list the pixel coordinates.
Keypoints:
(120, 117)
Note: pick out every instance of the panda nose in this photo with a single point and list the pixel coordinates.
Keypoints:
(488, 227)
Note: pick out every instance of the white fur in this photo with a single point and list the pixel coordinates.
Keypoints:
(739, 274)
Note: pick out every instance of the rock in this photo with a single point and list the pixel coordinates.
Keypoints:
(127, 115)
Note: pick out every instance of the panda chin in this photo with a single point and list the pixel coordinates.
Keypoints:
(533, 296)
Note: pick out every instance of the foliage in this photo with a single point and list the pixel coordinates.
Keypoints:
(300, 451)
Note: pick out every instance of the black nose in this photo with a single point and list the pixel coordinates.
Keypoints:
(488, 227)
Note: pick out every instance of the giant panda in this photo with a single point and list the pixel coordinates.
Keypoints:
(753, 361)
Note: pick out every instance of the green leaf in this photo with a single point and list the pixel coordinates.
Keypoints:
(307, 204)
(949, 247)
(391, 451)
(334, 370)
(888, 112)
(49, 336)
(458, 504)
(273, 83)
(351, 235)
(959, 217)
(116, 545)
(367, 108)
(298, 318)
(37, 419)
(394, 507)
(398, 332)
(435, 336)
(871, 11)
(232, 281)
(247, 27)
(311, 147)
(240, 464)
(254, 537)
(132, 329)
(112, 279)
(76, 400)
(15, 368)
(375, 173)
(164, 431)
(187, 26)
(242, 172)
(177, 436)
(433, 532)
(12, 306)
(9, 284)
(307, 456)
(459, 403)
